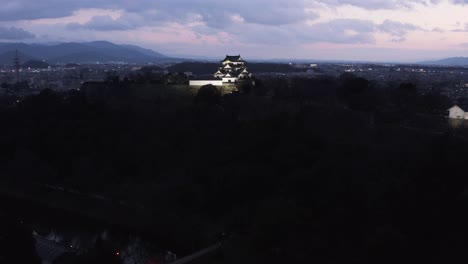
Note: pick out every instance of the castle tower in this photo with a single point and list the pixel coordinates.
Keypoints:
(232, 69)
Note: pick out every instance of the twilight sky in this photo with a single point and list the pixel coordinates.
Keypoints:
(375, 30)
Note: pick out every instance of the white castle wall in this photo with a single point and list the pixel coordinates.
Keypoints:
(205, 82)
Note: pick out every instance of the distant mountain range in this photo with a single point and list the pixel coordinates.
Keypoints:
(104, 51)
(87, 52)
(455, 61)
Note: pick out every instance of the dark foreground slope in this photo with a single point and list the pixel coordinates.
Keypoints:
(305, 171)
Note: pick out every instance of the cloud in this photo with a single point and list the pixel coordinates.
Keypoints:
(219, 14)
(267, 12)
(340, 31)
(215, 24)
(397, 29)
(270, 12)
(14, 33)
(12, 10)
(107, 23)
(343, 31)
(461, 29)
(370, 4)
(380, 4)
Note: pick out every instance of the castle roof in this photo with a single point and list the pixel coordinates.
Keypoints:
(455, 107)
(232, 70)
(233, 58)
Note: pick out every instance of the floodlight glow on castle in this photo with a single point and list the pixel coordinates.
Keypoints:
(232, 70)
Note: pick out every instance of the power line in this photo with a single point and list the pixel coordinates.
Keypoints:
(16, 61)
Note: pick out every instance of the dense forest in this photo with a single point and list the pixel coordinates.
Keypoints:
(323, 170)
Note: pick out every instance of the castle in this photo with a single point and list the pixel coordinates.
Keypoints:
(232, 69)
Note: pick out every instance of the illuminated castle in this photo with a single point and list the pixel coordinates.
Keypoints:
(232, 70)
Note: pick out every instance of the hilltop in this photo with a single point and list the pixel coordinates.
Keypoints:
(86, 52)
(454, 61)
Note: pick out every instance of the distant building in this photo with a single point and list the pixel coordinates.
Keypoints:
(232, 69)
(457, 113)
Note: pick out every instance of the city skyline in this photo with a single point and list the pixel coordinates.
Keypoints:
(375, 30)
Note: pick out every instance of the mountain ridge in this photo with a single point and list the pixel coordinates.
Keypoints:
(452, 61)
(79, 52)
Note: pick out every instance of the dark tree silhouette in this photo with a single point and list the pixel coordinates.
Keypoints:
(357, 93)
(17, 245)
(245, 86)
(405, 97)
(208, 95)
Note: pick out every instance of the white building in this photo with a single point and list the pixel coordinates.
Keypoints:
(205, 82)
(232, 70)
(457, 113)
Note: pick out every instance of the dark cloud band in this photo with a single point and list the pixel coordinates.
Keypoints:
(14, 33)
